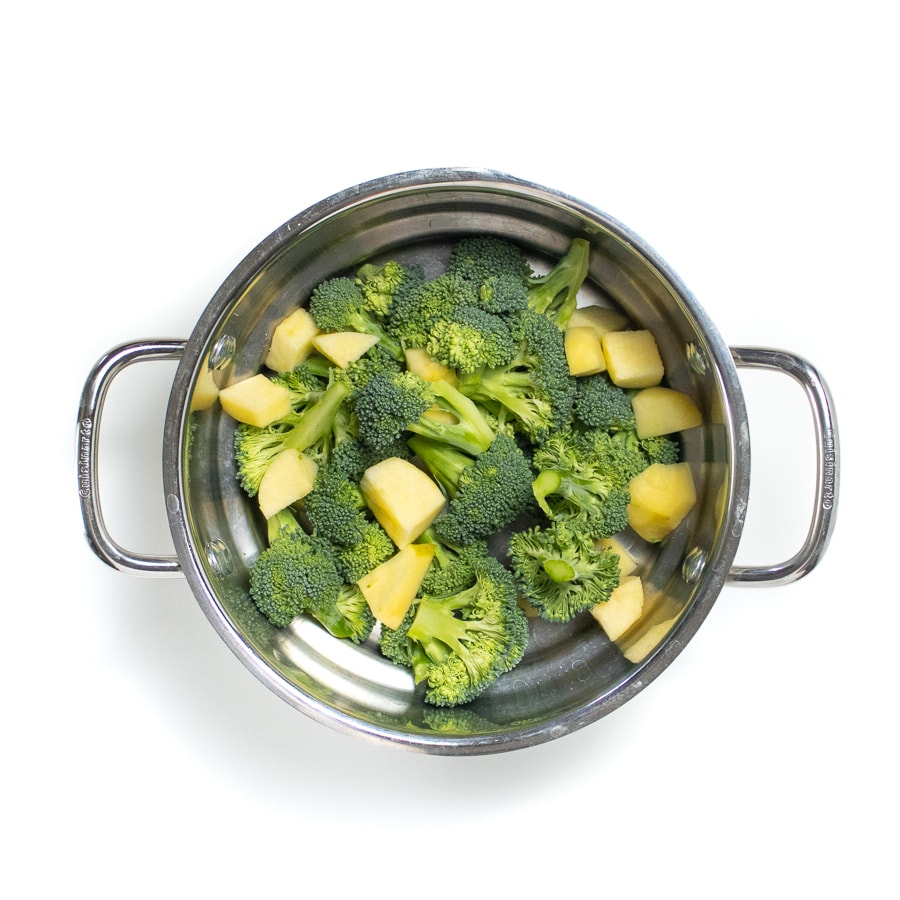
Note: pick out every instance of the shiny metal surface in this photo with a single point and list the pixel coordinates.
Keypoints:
(90, 413)
(572, 675)
(827, 473)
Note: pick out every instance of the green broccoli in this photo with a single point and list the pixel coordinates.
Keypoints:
(599, 403)
(661, 449)
(389, 405)
(381, 283)
(376, 361)
(583, 478)
(478, 257)
(294, 574)
(353, 456)
(503, 294)
(469, 339)
(298, 573)
(339, 304)
(534, 390)
(415, 311)
(560, 571)
(310, 428)
(555, 294)
(350, 616)
(335, 507)
(373, 548)
(487, 492)
(458, 644)
(451, 567)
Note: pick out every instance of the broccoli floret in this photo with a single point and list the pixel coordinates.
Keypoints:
(534, 390)
(486, 492)
(296, 573)
(555, 294)
(451, 566)
(388, 404)
(583, 478)
(459, 643)
(470, 339)
(415, 311)
(392, 404)
(381, 283)
(349, 617)
(335, 507)
(477, 257)
(373, 548)
(601, 404)
(503, 294)
(376, 361)
(339, 304)
(560, 572)
(661, 449)
(311, 428)
(353, 457)
(305, 382)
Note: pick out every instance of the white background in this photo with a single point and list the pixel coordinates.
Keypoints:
(147, 149)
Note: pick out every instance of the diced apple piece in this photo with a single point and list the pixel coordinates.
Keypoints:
(344, 347)
(623, 609)
(632, 358)
(584, 353)
(403, 498)
(662, 410)
(288, 478)
(419, 361)
(648, 641)
(600, 318)
(206, 391)
(661, 496)
(292, 341)
(391, 587)
(627, 563)
(256, 400)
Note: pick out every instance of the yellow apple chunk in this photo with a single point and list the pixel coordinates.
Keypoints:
(632, 358)
(403, 498)
(627, 563)
(206, 391)
(623, 609)
(649, 641)
(662, 410)
(288, 478)
(584, 352)
(391, 587)
(600, 318)
(661, 496)
(256, 400)
(292, 341)
(419, 361)
(344, 347)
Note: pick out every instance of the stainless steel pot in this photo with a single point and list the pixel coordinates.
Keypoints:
(572, 675)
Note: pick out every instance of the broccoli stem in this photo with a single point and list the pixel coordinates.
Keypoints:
(547, 482)
(558, 570)
(317, 420)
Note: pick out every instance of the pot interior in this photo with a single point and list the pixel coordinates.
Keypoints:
(571, 674)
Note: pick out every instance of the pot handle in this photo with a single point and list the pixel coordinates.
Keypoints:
(827, 476)
(92, 399)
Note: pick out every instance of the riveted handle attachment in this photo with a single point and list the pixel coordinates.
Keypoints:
(827, 475)
(90, 410)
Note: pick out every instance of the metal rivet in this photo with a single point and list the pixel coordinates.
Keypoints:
(693, 565)
(222, 352)
(696, 358)
(219, 557)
